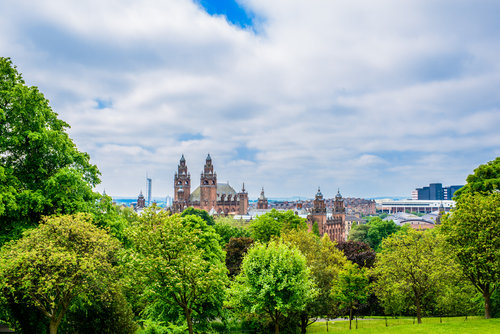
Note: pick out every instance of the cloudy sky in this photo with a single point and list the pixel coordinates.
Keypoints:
(374, 97)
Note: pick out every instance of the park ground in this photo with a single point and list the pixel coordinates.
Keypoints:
(456, 325)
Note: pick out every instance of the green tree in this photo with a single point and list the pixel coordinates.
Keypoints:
(412, 267)
(270, 224)
(486, 179)
(274, 281)
(324, 262)
(376, 230)
(42, 172)
(209, 220)
(351, 288)
(181, 263)
(473, 231)
(64, 258)
(228, 228)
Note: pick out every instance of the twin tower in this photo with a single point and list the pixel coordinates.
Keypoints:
(216, 198)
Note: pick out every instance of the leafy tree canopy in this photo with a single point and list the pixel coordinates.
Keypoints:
(209, 220)
(181, 266)
(350, 288)
(411, 270)
(236, 249)
(274, 281)
(228, 227)
(51, 265)
(473, 232)
(274, 222)
(486, 179)
(357, 252)
(42, 172)
(373, 232)
(324, 261)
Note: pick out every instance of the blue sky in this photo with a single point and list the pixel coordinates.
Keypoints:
(376, 98)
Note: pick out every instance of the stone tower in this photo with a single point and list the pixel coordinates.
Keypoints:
(182, 182)
(243, 196)
(262, 202)
(318, 213)
(141, 201)
(208, 186)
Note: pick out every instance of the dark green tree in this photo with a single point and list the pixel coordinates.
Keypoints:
(376, 230)
(41, 171)
(486, 179)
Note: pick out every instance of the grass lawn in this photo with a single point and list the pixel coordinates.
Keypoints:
(405, 325)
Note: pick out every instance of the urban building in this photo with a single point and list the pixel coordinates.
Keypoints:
(435, 192)
(141, 201)
(262, 202)
(216, 198)
(334, 224)
(391, 207)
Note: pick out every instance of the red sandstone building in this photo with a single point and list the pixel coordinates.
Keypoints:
(216, 198)
(334, 226)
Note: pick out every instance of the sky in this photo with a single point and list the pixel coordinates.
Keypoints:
(373, 97)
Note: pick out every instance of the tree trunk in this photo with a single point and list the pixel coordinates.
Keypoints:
(187, 312)
(53, 326)
(350, 318)
(304, 319)
(276, 327)
(487, 305)
(419, 312)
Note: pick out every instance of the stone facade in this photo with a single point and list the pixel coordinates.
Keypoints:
(216, 198)
(262, 203)
(334, 225)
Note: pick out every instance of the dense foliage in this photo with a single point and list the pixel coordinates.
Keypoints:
(485, 179)
(71, 260)
(50, 266)
(373, 232)
(473, 232)
(411, 270)
(273, 223)
(181, 266)
(41, 170)
(274, 281)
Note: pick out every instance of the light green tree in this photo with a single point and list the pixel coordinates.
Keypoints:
(274, 281)
(473, 232)
(412, 267)
(271, 224)
(64, 258)
(325, 261)
(181, 264)
(351, 288)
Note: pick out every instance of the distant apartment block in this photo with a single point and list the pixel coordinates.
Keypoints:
(435, 192)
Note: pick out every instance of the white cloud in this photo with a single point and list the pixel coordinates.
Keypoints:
(374, 97)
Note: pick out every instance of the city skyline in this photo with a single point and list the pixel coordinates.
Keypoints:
(376, 99)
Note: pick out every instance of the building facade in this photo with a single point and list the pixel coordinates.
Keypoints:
(333, 225)
(216, 198)
(435, 192)
(262, 203)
